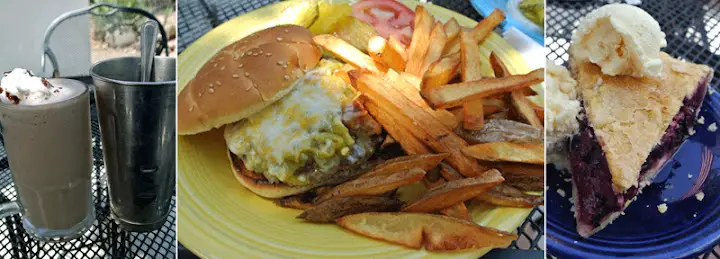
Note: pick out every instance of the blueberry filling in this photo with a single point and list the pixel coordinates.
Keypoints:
(596, 198)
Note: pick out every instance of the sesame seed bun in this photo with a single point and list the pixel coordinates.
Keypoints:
(245, 77)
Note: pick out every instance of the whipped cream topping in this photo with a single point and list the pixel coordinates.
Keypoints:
(20, 86)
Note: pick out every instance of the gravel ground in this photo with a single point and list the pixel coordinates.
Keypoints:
(101, 51)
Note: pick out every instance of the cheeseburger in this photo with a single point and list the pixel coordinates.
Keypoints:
(289, 123)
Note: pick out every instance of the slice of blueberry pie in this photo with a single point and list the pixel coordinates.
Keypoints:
(630, 128)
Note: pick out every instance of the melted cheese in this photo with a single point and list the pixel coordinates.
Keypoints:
(304, 126)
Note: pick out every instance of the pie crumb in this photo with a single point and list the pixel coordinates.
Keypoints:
(689, 176)
(701, 120)
(691, 131)
(712, 127)
(662, 208)
(695, 215)
(561, 192)
(700, 196)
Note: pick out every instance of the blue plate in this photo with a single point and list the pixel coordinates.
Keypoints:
(688, 228)
(514, 19)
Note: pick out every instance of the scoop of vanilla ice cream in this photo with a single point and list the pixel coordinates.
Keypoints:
(562, 107)
(21, 83)
(622, 39)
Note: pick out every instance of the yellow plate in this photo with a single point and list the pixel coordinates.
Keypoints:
(218, 218)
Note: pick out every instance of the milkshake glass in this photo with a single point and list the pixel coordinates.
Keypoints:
(48, 141)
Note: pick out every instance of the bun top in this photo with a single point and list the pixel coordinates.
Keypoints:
(245, 77)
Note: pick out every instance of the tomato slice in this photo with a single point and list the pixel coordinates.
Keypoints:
(389, 17)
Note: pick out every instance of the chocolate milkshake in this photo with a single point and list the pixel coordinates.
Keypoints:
(46, 128)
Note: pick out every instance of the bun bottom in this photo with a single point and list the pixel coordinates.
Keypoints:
(258, 184)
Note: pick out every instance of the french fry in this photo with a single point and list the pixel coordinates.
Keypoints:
(473, 115)
(438, 38)
(452, 28)
(295, 202)
(539, 111)
(458, 211)
(503, 195)
(343, 72)
(522, 104)
(432, 176)
(434, 232)
(524, 182)
(490, 106)
(412, 93)
(429, 183)
(503, 131)
(520, 169)
(527, 91)
(456, 94)
(498, 66)
(449, 173)
(388, 141)
(424, 162)
(455, 191)
(525, 109)
(321, 190)
(503, 115)
(483, 29)
(420, 41)
(365, 121)
(459, 114)
(408, 142)
(412, 79)
(376, 48)
(507, 152)
(441, 72)
(471, 66)
(490, 109)
(452, 47)
(395, 54)
(494, 102)
(522, 176)
(373, 185)
(333, 209)
(421, 124)
(346, 52)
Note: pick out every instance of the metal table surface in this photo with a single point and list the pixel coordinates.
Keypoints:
(197, 17)
(104, 239)
(692, 31)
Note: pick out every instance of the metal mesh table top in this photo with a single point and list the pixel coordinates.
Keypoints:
(692, 31)
(105, 239)
(197, 17)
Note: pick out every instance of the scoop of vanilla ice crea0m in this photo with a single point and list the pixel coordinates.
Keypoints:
(562, 109)
(622, 39)
(20, 86)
